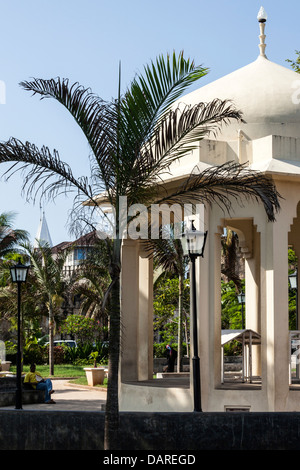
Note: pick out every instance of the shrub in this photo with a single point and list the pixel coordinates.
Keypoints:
(34, 353)
(82, 352)
(59, 354)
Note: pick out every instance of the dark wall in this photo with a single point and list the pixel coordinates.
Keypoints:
(177, 432)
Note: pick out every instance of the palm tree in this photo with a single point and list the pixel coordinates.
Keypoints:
(133, 140)
(91, 280)
(48, 271)
(10, 237)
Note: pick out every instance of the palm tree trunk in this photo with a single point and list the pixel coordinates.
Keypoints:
(180, 308)
(112, 400)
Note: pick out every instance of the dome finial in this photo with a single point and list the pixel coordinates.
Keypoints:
(262, 18)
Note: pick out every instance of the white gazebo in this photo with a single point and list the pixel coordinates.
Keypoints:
(268, 141)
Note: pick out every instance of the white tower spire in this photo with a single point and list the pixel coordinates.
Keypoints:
(262, 18)
(43, 234)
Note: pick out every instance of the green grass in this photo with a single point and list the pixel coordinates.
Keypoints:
(60, 370)
(83, 381)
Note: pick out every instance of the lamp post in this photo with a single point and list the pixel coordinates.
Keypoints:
(19, 275)
(193, 243)
(241, 299)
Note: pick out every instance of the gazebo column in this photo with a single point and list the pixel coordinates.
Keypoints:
(252, 291)
(136, 313)
(215, 307)
(129, 309)
(145, 323)
(274, 303)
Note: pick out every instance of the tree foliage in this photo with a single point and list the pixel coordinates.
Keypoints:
(166, 303)
(81, 328)
(10, 237)
(295, 64)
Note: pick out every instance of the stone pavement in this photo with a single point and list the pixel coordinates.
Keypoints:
(71, 397)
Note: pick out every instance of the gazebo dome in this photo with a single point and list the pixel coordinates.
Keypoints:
(267, 94)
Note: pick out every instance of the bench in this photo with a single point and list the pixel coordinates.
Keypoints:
(8, 393)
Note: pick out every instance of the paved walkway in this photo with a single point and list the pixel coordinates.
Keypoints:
(70, 397)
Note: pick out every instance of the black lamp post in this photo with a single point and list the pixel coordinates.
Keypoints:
(19, 275)
(241, 299)
(193, 243)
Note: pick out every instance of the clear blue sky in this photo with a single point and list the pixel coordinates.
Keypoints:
(85, 41)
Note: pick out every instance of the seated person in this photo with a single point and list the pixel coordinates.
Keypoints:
(35, 381)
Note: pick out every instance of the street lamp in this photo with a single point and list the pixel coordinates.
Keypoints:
(262, 15)
(193, 244)
(241, 299)
(18, 274)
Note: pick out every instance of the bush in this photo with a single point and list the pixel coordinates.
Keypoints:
(59, 354)
(83, 351)
(34, 353)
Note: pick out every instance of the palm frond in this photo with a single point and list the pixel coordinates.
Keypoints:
(9, 236)
(222, 184)
(163, 82)
(180, 132)
(96, 118)
(166, 253)
(150, 96)
(39, 168)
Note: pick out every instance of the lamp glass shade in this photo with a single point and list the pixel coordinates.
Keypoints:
(241, 298)
(262, 15)
(19, 272)
(293, 280)
(193, 242)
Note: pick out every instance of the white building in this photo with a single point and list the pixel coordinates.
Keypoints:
(77, 251)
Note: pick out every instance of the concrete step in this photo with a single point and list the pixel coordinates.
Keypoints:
(174, 375)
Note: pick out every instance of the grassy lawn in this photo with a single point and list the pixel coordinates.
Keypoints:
(69, 371)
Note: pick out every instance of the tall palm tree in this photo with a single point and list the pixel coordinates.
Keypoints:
(133, 140)
(48, 271)
(9, 236)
